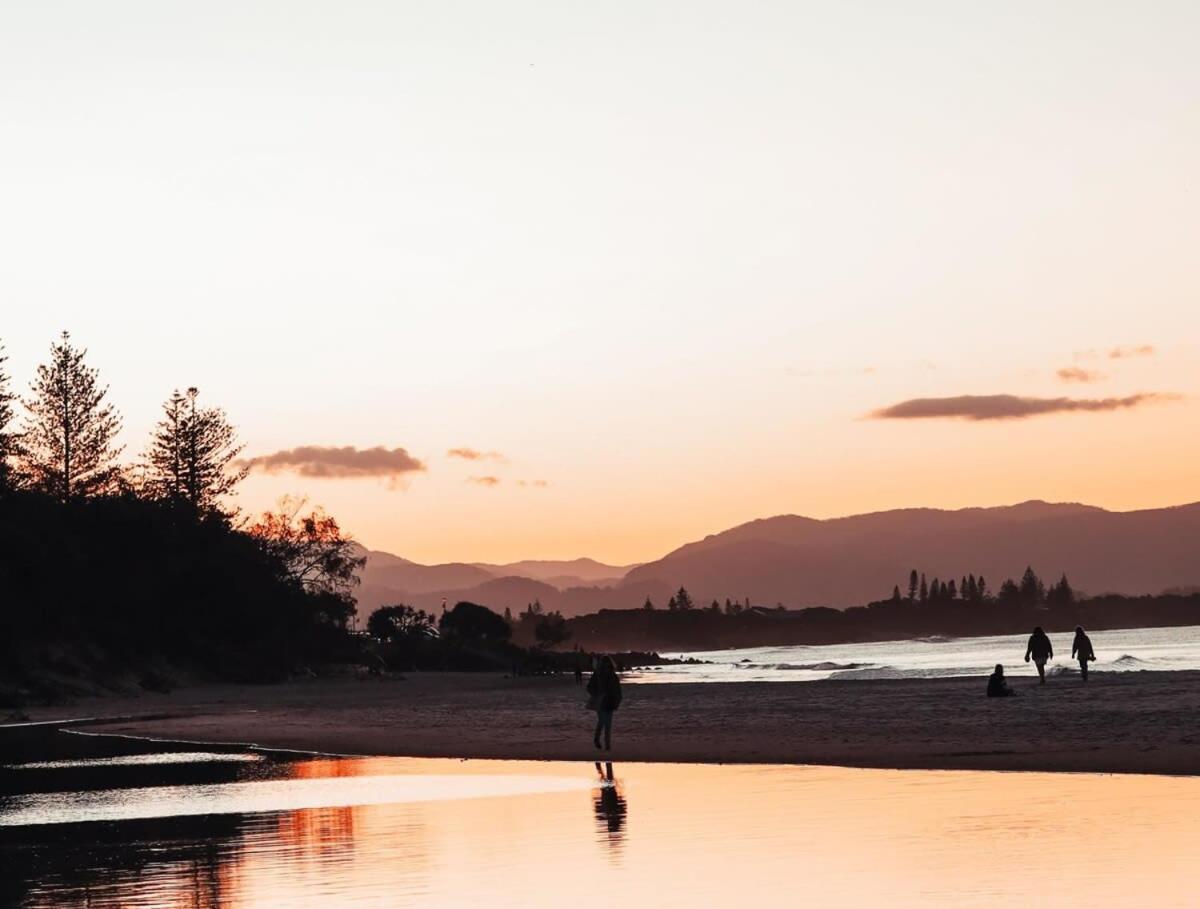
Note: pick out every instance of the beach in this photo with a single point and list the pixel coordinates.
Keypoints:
(1132, 722)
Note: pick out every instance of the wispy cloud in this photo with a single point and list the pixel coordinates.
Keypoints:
(1006, 407)
(1120, 352)
(1124, 353)
(484, 481)
(1077, 374)
(538, 484)
(344, 463)
(471, 454)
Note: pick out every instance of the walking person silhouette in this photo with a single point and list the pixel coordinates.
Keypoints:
(1081, 649)
(604, 696)
(1041, 650)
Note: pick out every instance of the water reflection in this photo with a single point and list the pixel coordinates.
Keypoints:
(479, 833)
(610, 808)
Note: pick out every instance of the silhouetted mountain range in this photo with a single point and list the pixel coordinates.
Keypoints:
(390, 579)
(839, 562)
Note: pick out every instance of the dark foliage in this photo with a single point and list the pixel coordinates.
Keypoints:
(474, 624)
(109, 584)
(641, 629)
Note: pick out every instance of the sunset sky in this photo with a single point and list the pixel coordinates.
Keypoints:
(663, 267)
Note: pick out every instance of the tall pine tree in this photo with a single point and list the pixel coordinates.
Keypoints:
(193, 453)
(67, 447)
(8, 438)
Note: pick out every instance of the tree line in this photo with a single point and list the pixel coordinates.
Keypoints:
(65, 445)
(1029, 591)
(132, 572)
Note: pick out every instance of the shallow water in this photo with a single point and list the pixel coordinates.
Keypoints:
(1122, 650)
(394, 832)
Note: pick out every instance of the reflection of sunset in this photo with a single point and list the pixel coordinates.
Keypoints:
(707, 830)
(701, 832)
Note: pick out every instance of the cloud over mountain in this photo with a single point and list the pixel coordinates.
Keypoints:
(1006, 407)
(346, 462)
(484, 481)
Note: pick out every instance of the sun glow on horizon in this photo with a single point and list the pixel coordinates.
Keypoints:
(492, 284)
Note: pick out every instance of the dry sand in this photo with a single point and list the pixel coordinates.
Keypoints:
(1118, 722)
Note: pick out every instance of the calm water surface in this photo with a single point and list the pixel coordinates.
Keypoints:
(399, 832)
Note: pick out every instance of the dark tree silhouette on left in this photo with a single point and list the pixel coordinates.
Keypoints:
(67, 447)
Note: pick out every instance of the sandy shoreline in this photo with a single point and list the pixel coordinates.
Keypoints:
(1138, 722)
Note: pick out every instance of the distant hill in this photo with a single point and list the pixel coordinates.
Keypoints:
(839, 562)
(842, 562)
(560, 574)
(388, 578)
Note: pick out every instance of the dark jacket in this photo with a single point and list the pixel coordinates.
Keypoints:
(1082, 648)
(998, 686)
(604, 688)
(1040, 647)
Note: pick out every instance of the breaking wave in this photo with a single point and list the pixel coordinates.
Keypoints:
(1126, 659)
(826, 666)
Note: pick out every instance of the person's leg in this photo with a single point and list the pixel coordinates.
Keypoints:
(1041, 668)
(606, 719)
(599, 727)
(1083, 669)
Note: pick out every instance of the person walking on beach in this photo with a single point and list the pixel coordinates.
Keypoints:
(998, 685)
(1081, 649)
(1041, 650)
(604, 696)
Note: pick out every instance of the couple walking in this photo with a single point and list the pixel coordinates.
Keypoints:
(1040, 650)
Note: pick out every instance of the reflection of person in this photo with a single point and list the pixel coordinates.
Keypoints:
(1081, 649)
(998, 685)
(604, 696)
(609, 805)
(1041, 650)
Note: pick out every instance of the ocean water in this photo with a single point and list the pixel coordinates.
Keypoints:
(1122, 650)
(376, 832)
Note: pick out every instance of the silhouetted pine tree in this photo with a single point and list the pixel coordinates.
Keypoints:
(981, 589)
(1031, 587)
(1061, 593)
(912, 585)
(896, 594)
(935, 591)
(1010, 593)
(924, 589)
(683, 599)
(67, 448)
(648, 605)
(952, 590)
(8, 439)
(193, 453)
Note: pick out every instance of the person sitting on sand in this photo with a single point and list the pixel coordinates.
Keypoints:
(998, 685)
(1041, 650)
(604, 696)
(1081, 649)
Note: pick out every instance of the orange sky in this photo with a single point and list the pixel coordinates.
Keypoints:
(663, 261)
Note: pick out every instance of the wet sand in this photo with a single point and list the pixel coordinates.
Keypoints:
(1140, 722)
